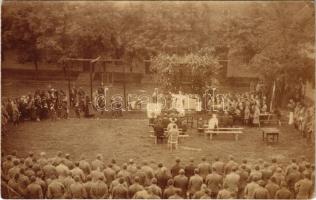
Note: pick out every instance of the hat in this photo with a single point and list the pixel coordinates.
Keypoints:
(32, 179)
(170, 182)
(284, 184)
(177, 159)
(99, 156)
(77, 178)
(136, 179)
(154, 180)
(255, 178)
(261, 183)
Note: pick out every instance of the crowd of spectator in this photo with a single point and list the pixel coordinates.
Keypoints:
(244, 108)
(231, 109)
(302, 116)
(63, 177)
(43, 104)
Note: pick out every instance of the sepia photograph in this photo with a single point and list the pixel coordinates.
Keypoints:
(157, 99)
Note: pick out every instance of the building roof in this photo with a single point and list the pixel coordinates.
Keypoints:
(237, 68)
(240, 71)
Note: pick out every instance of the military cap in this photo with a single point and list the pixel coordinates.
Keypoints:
(170, 182)
(154, 180)
(261, 183)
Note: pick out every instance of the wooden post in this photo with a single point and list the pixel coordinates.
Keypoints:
(104, 72)
(90, 65)
(102, 76)
(124, 85)
(68, 77)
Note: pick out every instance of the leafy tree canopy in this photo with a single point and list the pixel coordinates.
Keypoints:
(271, 37)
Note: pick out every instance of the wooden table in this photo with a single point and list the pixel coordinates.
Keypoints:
(266, 132)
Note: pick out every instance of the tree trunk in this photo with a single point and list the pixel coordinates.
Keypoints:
(36, 68)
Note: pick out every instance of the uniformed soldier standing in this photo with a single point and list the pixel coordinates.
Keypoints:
(181, 181)
(34, 190)
(99, 189)
(77, 190)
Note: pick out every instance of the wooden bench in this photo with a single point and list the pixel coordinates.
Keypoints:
(268, 118)
(236, 133)
(179, 137)
(270, 121)
(205, 128)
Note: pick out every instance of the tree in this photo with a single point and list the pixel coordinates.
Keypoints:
(199, 69)
(273, 38)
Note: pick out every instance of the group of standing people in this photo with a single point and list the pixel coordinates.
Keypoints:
(43, 104)
(241, 107)
(61, 176)
(81, 103)
(302, 116)
(169, 123)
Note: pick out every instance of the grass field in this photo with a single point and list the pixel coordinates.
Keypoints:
(123, 139)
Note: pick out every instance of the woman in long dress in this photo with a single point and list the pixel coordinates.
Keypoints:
(256, 115)
(291, 106)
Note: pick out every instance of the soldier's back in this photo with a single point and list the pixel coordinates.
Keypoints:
(282, 193)
(77, 191)
(34, 191)
(99, 190)
(119, 192)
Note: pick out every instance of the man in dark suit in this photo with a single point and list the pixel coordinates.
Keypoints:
(159, 131)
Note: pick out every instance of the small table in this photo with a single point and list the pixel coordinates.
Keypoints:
(270, 132)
